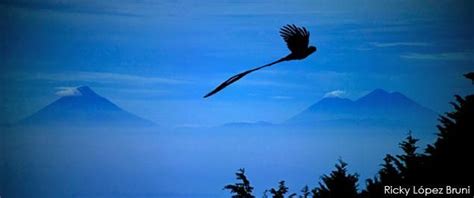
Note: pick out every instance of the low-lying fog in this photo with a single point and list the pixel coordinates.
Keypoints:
(186, 162)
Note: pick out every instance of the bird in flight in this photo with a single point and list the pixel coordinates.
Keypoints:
(297, 40)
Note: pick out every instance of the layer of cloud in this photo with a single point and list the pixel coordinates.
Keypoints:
(78, 7)
(105, 78)
(282, 97)
(67, 91)
(329, 76)
(449, 56)
(269, 83)
(400, 44)
(335, 93)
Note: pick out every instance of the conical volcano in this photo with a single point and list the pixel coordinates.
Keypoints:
(84, 108)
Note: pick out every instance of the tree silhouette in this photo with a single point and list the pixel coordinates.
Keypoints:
(388, 175)
(374, 188)
(305, 192)
(451, 154)
(281, 191)
(243, 189)
(410, 164)
(338, 184)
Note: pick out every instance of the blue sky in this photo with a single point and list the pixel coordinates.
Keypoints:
(158, 58)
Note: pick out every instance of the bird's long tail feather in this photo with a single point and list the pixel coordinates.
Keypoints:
(239, 76)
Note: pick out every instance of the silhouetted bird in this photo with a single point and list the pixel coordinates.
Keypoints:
(297, 40)
(470, 75)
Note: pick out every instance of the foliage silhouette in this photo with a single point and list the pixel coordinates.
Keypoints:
(280, 192)
(338, 184)
(451, 154)
(243, 189)
(410, 164)
(388, 175)
(305, 192)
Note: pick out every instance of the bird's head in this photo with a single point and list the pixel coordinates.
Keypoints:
(311, 49)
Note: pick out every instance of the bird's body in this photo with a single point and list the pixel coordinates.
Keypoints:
(297, 40)
(470, 75)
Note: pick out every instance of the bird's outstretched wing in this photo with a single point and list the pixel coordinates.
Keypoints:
(296, 38)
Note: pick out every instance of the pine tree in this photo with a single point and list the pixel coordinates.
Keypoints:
(374, 188)
(410, 163)
(281, 191)
(338, 184)
(450, 156)
(388, 175)
(305, 192)
(241, 190)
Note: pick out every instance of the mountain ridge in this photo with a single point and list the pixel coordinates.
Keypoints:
(378, 106)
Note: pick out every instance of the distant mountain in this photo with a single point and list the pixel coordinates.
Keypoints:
(84, 108)
(379, 107)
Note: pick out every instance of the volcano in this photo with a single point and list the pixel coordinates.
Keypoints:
(84, 108)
